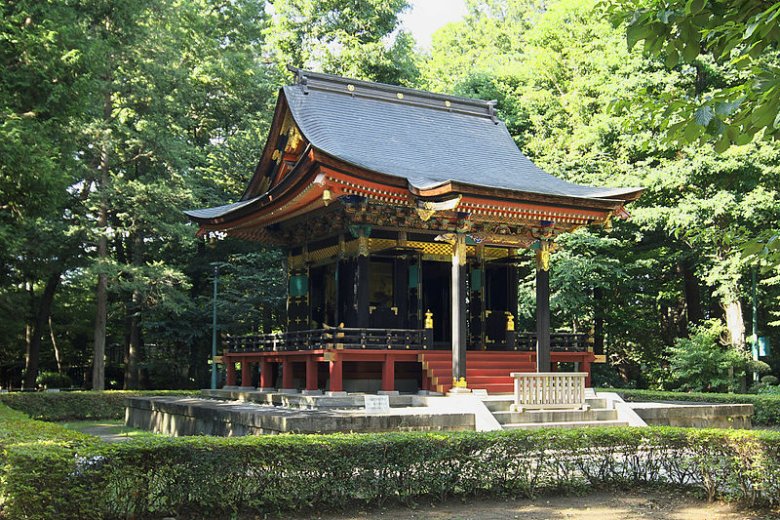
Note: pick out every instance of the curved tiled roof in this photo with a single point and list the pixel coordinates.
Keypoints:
(422, 140)
(427, 139)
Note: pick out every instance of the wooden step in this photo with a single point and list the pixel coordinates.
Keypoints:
(503, 403)
(474, 355)
(480, 363)
(485, 370)
(555, 416)
(572, 424)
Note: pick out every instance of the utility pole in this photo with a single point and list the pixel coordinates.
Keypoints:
(214, 330)
(755, 346)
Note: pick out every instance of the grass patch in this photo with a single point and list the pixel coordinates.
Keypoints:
(111, 430)
(79, 406)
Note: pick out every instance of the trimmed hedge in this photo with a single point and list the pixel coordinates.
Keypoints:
(766, 407)
(75, 406)
(17, 430)
(212, 477)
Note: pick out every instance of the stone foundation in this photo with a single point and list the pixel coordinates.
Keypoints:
(697, 415)
(194, 416)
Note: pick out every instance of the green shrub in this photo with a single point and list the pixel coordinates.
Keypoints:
(212, 477)
(703, 363)
(75, 406)
(53, 380)
(17, 430)
(766, 407)
(770, 380)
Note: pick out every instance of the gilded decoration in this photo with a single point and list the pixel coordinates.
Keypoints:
(294, 139)
(543, 254)
(459, 250)
(427, 208)
(363, 245)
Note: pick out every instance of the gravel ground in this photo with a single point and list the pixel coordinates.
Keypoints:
(651, 505)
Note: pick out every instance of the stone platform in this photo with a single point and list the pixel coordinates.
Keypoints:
(202, 416)
(696, 415)
(233, 412)
(344, 401)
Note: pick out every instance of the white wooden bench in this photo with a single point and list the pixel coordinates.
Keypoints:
(549, 390)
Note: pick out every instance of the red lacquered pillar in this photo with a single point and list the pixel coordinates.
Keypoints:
(287, 374)
(266, 374)
(311, 374)
(388, 374)
(336, 382)
(230, 369)
(246, 373)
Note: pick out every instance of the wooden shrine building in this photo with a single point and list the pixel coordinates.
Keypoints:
(403, 214)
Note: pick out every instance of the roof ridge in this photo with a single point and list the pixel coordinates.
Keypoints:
(309, 80)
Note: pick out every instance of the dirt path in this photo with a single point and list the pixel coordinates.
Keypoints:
(651, 505)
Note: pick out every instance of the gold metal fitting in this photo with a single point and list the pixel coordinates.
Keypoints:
(459, 383)
(510, 322)
(429, 319)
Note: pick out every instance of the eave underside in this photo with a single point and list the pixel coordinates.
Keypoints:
(320, 198)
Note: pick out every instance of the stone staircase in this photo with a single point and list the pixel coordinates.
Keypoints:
(599, 413)
(485, 370)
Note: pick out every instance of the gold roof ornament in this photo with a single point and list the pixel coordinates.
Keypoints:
(426, 208)
(294, 138)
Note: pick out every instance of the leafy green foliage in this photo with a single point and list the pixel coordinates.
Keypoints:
(743, 34)
(74, 406)
(576, 100)
(704, 363)
(356, 39)
(190, 86)
(17, 430)
(208, 477)
(53, 380)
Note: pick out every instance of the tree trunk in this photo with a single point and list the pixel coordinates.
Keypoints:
(134, 346)
(57, 353)
(692, 292)
(28, 326)
(735, 322)
(41, 318)
(101, 292)
(598, 320)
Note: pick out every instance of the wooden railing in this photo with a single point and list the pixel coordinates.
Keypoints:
(541, 390)
(338, 338)
(393, 339)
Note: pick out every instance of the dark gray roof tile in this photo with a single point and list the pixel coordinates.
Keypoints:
(425, 145)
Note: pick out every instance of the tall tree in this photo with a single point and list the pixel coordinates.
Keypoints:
(43, 92)
(360, 39)
(566, 95)
(690, 34)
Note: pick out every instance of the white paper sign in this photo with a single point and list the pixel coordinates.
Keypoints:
(377, 403)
